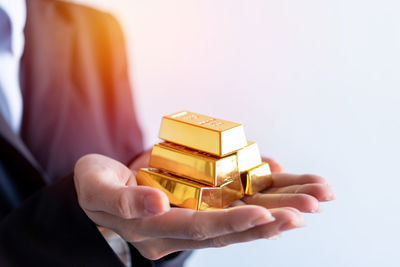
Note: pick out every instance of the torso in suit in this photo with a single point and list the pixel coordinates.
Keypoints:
(77, 100)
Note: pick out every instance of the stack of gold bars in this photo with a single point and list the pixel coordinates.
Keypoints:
(204, 163)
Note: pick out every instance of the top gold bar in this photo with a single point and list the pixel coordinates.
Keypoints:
(214, 136)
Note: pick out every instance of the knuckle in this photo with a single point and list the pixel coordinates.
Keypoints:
(218, 242)
(196, 232)
(123, 206)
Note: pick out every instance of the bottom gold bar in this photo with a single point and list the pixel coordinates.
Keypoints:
(188, 194)
(256, 179)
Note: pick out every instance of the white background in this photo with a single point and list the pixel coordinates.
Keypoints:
(316, 85)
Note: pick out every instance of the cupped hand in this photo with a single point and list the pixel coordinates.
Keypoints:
(303, 192)
(108, 193)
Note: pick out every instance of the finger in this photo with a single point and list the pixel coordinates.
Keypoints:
(322, 192)
(285, 179)
(302, 202)
(141, 161)
(101, 185)
(286, 219)
(199, 225)
(237, 203)
(127, 202)
(274, 166)
(121, 226)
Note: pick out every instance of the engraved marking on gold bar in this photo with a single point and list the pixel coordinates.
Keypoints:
(257, 179)
(248, 157)
(204, 133)
(188, 194)
(193, 164)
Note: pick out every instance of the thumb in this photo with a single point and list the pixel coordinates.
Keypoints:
(128, 202)
(105, 185)
(137, 202)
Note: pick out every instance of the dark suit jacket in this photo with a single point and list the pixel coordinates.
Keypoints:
(77, 100)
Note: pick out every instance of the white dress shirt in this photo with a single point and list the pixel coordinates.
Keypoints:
(12, 23)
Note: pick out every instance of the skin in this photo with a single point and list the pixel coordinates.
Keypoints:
(108, 193)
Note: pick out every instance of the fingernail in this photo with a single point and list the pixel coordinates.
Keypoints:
(298, 224)
(318, 210)
(331, 197)
(153, 205)
(266, 218)
(275, 237)
(291, 225)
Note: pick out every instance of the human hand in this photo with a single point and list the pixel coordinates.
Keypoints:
(303, 192)
(108, 193)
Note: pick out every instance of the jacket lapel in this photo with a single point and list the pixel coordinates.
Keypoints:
(14, 140)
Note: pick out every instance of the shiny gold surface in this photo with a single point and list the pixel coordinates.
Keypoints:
(232, 192)
(188, 194)
(256, 179)
(248, 157)
(204, 133)
(194, 165)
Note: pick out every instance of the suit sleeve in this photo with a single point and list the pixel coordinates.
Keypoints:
(50, 229)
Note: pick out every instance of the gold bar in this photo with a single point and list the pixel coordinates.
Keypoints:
(188, 194)
(204, 133)
(194, 165)
(248, 157)
(256, 179)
